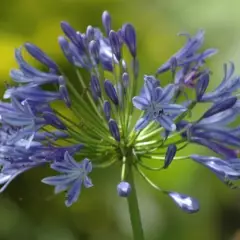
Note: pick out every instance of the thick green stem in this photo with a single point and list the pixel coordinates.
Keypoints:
(134, 210)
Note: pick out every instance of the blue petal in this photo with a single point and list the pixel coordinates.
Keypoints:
(217, 165)
(73, 193)
(158, 94)
(148, 90)
(60, 188)
(219, 135)
(167, 123)
(87, 182)
(220, 107)
(62, 167)
(69, 159)
(168, 93)
(173, 108)
(202, 85)
(38, 54)
(87, 165)
(59, 180)
(216, 147)
(218, 119)
(140, 103)
(19, 77)
(228, 73)
(142, 122)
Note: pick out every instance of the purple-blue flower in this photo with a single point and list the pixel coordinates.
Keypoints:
(156, 102)
(188, 53)
(225, 170)
(73, 176)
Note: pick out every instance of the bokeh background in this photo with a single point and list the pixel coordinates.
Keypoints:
(30, 211)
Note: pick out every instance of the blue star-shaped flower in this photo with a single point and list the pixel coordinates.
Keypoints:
(74, 175)
(156, 102)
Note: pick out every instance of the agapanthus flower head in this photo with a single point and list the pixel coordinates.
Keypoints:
(113, 124)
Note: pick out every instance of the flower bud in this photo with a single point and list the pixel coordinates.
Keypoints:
(39, 55)
(114, 130)
(115, 44)
(111, 92)
(107, 109)
(125, 79)
(64, 44)
(94, 50)
(90, 33)
(171, 151)
(95, 86)
(70, 32)
(124, 189)
(129, 36)
(106, 20)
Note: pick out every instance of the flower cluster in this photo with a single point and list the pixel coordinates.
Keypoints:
(104, 121)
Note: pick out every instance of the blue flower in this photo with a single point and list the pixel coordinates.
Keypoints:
(156, 102)
(188, 53)
(226, 88)
(225, 170)
(214, 133)
(73, 175)
(31, 75)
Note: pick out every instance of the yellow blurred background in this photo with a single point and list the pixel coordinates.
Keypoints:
(30, 211)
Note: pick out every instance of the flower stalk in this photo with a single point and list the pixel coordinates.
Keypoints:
(133, 208)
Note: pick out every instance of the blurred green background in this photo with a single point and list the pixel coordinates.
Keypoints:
(30, 211)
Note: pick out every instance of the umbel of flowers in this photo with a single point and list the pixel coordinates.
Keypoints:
(108, 121)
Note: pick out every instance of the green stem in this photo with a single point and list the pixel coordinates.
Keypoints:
(134, 210)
